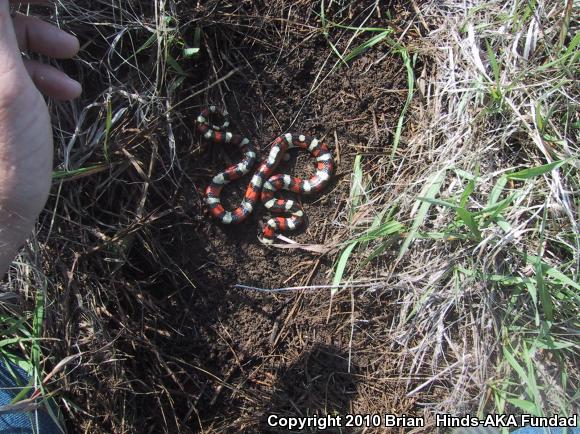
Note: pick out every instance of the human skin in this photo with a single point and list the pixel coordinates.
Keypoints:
(26, 143)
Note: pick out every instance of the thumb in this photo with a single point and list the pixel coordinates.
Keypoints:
(10, 58)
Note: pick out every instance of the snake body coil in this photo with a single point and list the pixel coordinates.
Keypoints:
(263, 185)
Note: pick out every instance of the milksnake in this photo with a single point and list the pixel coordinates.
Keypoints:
(263, 185)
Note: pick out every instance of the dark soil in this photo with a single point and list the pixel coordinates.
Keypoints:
(188, 351)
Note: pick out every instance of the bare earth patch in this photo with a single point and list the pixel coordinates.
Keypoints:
(179, 324)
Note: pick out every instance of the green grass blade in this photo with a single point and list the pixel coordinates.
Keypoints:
(549, 343)
(77, 173)
(494, 64)
(193, 52)
(384, 230)
(497, 190)
(431, 189)
(466, 193)
(514, 364)
(340, 267)
(495, 209)
(532, 289)
(148, 43)
(323, 20)
(108, 125)
(11, 341)
(556, 274)
(410, 91)
(527, 406)
(532, 172)
(338, 53)
(362, 29)
(356, 188)
(467, 218)
(571, 50)
(439, 202)
(175, 66)
(545, 295)
(372, 41)
(532, 384)
(37, 323)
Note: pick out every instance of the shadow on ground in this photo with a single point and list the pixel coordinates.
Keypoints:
(319, 383)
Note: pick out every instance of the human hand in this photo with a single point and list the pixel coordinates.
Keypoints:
(26, 145)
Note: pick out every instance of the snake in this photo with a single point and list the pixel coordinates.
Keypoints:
(264, 184)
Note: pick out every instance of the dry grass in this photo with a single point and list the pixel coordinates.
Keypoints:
(495, 95)
(479, 310)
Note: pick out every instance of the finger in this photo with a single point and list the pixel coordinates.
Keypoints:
(43, 38)
(52, 82)
(9, 52)
(10, 59)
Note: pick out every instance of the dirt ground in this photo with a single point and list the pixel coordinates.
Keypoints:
(155, 318)
(180, 348)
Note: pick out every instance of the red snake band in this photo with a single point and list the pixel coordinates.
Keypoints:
(263, 185)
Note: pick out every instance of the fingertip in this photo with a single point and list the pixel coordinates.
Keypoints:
(73, 89)
(53, 82)
(65, 89)
(37, 35)
(70, 45)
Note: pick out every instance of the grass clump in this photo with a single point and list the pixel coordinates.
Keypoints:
(490, 260)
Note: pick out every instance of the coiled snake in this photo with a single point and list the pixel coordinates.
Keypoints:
(264, 184)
